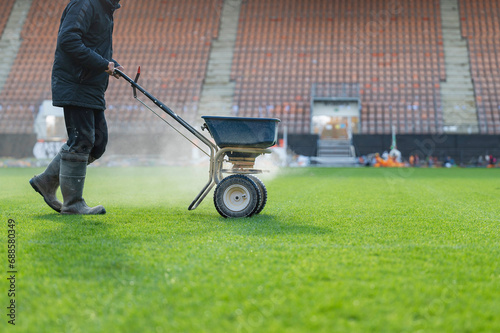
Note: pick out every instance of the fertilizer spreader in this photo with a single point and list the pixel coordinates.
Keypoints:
(238, 141)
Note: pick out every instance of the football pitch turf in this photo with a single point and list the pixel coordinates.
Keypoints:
(334, 250)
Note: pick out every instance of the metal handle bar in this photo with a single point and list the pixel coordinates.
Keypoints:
(166, 109)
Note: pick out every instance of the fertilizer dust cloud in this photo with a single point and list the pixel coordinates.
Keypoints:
(158, 146)
(182, 168)
(156, 143)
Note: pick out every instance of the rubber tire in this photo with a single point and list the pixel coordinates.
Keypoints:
(263, 194)
(228, 196)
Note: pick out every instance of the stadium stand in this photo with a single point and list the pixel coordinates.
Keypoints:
(481, 27)
(170, 40)
(394, 50)
(5, 9)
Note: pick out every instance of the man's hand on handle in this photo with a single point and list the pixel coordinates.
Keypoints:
(111, 69)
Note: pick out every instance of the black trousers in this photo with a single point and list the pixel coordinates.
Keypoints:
(87, 131)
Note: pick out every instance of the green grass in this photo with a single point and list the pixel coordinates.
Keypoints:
(335, 250)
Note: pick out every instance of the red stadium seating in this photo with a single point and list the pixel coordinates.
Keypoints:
(171, 42)
(481, 27)
(394, 50)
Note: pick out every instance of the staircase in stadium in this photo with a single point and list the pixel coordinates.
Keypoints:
(10, 41)
(457, 93)
(336, 152)
(218, 90)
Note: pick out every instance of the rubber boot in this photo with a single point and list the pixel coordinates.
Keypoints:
(72, 179)
(47, 182)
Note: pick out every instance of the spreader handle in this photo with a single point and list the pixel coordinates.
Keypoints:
(166, 109)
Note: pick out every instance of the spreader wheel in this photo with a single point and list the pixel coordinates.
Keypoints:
(236, 196)
(263, 194)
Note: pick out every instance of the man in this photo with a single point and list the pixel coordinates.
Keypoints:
(80, 74)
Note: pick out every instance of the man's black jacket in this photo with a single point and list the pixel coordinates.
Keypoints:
(84, 49)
